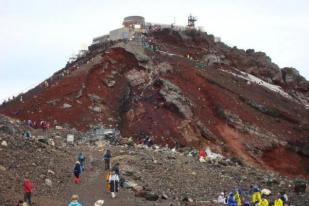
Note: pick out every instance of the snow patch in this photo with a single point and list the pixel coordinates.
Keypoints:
(275, 88)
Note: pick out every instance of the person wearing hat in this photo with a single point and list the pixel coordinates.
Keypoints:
(256, 196)
(74, 201)
(278, 201)
(221, 198)
(99, 203)
(77, 171)
(114, 184)
(264, 201)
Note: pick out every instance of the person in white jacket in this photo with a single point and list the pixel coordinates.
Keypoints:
(114, 184)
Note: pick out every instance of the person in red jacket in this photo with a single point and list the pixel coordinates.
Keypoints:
(28, 190)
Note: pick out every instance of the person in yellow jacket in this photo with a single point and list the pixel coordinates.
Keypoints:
(237, 198)
(278, 201)
(256, 196)
(264, 201)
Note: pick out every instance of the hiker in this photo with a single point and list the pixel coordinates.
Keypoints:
(27, 134)
(284, 197)
(114, 182)
(116, 168)
(77, 171)
(202, 155)
(81, 159)
(74, 201)
(278, 201)
(29, 123)
(231, 201)
(107, 159)
(107, 178)
(27, 190)
(237, 197)
(221, 198)
(99, 203)
(256, 196)
(149, 142)
(264, 201)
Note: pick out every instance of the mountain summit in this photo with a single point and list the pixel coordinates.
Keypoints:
(182, 87)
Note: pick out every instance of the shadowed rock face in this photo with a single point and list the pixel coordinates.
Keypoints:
(208, 99)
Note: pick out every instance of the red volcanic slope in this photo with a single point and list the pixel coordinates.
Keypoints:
(199, 102)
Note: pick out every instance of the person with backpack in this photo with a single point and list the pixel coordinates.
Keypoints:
(221, 198)
(107, 159)
(114, 184)
(81, 159)
(231, 201)
(27, 190)
(238, 197)
(256, 196)
(116, 168)
(278, 201)
(107, 178)
(74, 201)
(284, 197)
(77, 172)
(264, 201)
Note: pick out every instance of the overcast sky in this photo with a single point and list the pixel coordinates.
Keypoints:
(38, 36)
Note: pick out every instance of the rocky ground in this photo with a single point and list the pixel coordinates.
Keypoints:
(154, 176)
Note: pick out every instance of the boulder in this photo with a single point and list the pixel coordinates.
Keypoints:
(48, 182)
(8, 129)
(129, 184)
(66, 106)
(151, 196)
(173, 96)
(136, 77)
(4, 143)
(51, 172)
(57, 127)
(2, 168)
(210, 59)
(95, 98)
(300, 186)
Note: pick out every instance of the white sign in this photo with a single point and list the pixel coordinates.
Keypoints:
(70, 138)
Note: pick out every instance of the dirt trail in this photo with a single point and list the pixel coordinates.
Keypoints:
(92, 186)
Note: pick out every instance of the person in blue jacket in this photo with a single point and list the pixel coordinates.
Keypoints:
(74, 201)
(107, 159)
(231, 201)
(77, 171)
(81, 159)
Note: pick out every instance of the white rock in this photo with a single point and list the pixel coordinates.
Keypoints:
(66, 106)
(51, 142)
(51, 172)
(48, 182)
(4, 143)
(58, 127)
(2, 168)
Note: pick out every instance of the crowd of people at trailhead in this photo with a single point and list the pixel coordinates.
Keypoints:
(252, 197)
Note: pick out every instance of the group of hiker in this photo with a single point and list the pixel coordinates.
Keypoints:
(147, 141)
(253, 197)
(112, 178)
(33, 124)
